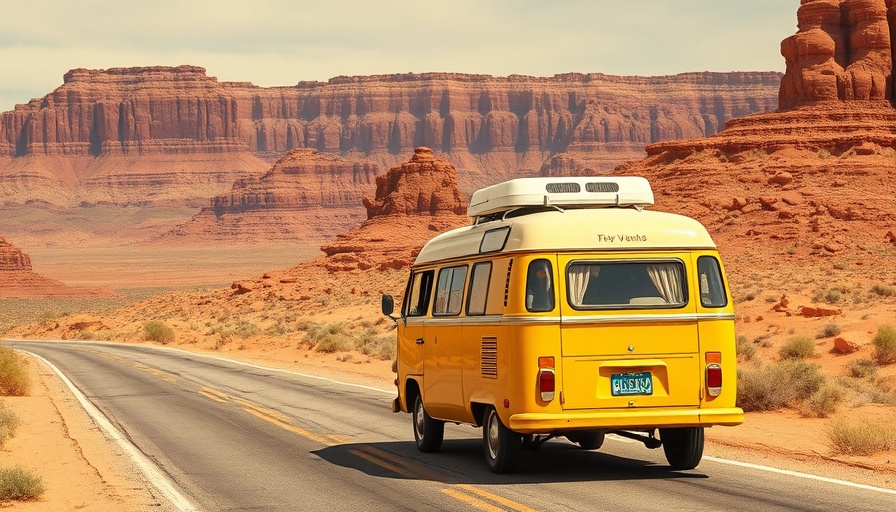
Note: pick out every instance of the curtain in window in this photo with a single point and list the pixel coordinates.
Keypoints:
(579, 277)
(667, 279)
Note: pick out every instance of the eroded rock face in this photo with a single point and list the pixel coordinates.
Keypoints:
(414, 202)
(305, 197)
(18, 280)
(492, 128)
(843, 51)
(13, 259)
(425, 185)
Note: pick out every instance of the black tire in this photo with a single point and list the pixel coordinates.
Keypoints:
(588, 440)
(683, 446)
(428, 433)
(501, 445)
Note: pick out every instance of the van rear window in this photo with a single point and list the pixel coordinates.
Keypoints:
(627, 284)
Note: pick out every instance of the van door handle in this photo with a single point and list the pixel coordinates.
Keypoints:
(419, 341)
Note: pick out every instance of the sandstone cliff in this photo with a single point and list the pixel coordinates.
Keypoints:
(18, 280)
(814, 180)
(306, 197)
(490, 127)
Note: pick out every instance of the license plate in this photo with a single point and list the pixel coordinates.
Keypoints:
(640, 383)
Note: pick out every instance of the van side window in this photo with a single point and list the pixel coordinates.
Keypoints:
(419, 293)
(478, 294)
(626, 284)
(450, 291)
(712, 288)
(539, 286)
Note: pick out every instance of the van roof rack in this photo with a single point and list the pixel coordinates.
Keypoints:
(567, 192)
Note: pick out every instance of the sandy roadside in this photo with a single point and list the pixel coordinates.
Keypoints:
(82, 469)
(85, 470)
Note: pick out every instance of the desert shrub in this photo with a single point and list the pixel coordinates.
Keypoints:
(14, 380)
(245, 329)
(862, 368)
(833, 296)
(745, 350)
(883, 290)
(797, 347)
(20, 485)
(823, 402)
(382, 347)
(885, 345)
(829, 331)
(329, 338)
(9, 422)
(777, 385)
(862, 439)
(157, 331)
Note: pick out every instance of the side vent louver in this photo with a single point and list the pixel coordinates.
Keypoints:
(563, 188)
(489, 356)
(602, 187)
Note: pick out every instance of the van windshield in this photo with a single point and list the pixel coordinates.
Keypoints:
(629, 284)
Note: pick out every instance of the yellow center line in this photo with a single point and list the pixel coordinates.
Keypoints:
(213, 396)
(262, 410)
(339, 439)
(471, 500)
(381, 463)
(418, 470)
(221, 397)
(296, 430)
(498, 499)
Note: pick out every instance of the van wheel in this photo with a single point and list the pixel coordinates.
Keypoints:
(588, 440)
(683, 446)
(428, 433)
(502, 446)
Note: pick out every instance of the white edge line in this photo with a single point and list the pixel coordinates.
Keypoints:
(801, 475)
(150, 470)
(779, 471)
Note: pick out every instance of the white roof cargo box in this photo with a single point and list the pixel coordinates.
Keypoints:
(581, 192)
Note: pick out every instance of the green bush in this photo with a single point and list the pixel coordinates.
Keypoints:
(798, 347)
(157, 331)
(861, 439)
(18, 484)
(777, 385)
(14, 379)
(885, 345)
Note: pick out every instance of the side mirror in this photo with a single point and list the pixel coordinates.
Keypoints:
(388, 305)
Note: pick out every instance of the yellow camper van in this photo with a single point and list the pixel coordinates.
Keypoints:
(568, 309)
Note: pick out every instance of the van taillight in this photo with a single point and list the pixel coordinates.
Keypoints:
(546, 381)
(546, 384)
(714, 373)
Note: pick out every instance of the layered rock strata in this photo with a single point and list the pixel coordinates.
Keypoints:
(490, 127)
(307, 196)
(814, 179)
(18, 280)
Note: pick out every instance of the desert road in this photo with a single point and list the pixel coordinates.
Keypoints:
(231, 436)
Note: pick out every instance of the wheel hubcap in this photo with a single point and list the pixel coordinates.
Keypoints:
(492, 435)
(418, 419)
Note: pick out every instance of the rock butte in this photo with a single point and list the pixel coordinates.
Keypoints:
(18, 280)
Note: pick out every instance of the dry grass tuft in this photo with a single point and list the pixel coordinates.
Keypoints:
(14, 380)
(777, 385)
(20, 485)
(862, 439)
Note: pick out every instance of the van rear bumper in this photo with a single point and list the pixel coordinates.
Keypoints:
(624, 419)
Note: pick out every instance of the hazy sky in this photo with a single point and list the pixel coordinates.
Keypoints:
(281, 42)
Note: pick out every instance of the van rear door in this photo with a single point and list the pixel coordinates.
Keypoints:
(628, 332)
